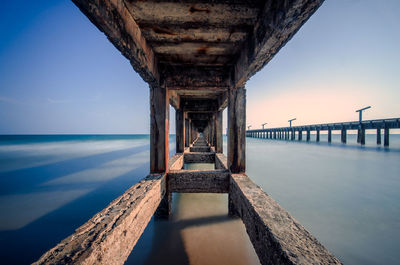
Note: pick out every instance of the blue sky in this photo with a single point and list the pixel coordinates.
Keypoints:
(60, 74)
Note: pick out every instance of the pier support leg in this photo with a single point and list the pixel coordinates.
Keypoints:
(343, 135)
(237, 129)
(186, 132)
(159, 129)
(317, 140)
(293, 134)
(218, 132)
(180, 131)
(359, 134)
(362, 135)
(329, 135)
(378, 136)
(386, 137)
(300, 135)
(308, 135)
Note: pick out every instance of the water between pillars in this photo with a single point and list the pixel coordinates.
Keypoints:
(199, 232)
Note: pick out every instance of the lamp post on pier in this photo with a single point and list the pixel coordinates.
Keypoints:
(290, 125)
(290, 122)
(263, 125)
(361, 130)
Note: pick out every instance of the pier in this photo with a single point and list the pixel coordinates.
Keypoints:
(196, 57)
(289, 133)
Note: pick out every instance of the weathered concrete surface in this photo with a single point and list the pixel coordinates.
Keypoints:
(159, 129)
(220, 161)
(237, 130)
(110, 235)
(198, 148)
(114, 19)
(276, 236)
(199, 157)
(176, 162)
(203, 181)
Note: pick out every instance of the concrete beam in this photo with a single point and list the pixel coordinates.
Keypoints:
(178, 77)
(114, 19)
(276, 25)
(199, 181)
(110, 235)
(199, 157)
(276, 236)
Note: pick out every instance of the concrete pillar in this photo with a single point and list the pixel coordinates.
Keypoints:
(293, 134)
(218, 132)
(386, 136)
(237, 128)
(159, 129)
(300, 135)
(317, 135)
(180, 130)
(159, 138)
(308, 135)
(378, 136)
(186, 131)
(343, 135)
(329, 135)
(362, 135)
(359, 134)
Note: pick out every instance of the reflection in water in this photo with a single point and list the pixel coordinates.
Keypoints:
(198, 232)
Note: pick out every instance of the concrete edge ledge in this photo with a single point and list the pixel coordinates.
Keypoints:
(110, 235)
(176, 162)
(276, 236)
(199, 157)
(199, 181)
(221, 161)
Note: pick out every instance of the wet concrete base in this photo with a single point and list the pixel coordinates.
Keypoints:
(199, 232)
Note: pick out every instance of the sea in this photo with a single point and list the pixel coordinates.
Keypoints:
(346, 195)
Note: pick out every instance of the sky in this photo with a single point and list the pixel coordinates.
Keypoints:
(60, 74)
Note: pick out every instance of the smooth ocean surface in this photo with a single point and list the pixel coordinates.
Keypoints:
(345, 195)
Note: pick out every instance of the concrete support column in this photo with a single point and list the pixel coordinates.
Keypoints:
(300, 135)
(237, 129)
(180, 130)
(386, 136)
(378, 136)
(362, 135)
(159, 138)
(218, 132)
(329, 135)
(293, 134)
(186, 131)
(318, 134)
(159, 129)
(308, 135)
(343, 135)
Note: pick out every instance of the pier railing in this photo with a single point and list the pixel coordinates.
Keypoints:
(289, 133)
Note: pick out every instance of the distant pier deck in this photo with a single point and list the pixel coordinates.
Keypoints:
(290, 133)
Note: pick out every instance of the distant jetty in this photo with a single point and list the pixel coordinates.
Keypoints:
(289, 133)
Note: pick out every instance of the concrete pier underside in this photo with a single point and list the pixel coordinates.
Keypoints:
(197, 57)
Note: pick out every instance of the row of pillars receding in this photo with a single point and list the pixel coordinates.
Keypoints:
(186, 132)
(286, 134)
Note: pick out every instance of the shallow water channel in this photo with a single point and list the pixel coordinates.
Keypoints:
(199, 232)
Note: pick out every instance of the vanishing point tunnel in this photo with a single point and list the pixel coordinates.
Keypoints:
(197, 57)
